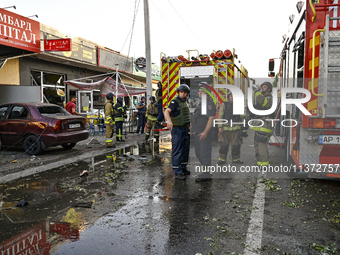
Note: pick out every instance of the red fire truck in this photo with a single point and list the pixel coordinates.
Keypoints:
(217, 68)
(310, 59)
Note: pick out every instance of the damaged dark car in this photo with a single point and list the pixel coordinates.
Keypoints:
(37, 126)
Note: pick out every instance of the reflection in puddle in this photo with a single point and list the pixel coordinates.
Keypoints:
(51, 215)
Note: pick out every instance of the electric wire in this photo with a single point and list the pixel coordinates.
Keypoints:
(133, 26)
(129, 33)
(184, 22)
(162, 14)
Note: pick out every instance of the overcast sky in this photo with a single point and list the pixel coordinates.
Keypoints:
(253, 28)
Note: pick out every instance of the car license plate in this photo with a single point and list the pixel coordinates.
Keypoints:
(74, 125)
(329, 139)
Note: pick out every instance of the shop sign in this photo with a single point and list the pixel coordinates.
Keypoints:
(19, 32)
(58, 44)
(108, 59)
(79, 52)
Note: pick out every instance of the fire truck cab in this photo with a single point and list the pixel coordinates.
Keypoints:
(310, 59)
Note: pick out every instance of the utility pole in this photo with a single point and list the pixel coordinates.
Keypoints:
(147, 49)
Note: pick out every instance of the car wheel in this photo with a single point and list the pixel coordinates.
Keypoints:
(68, 146)
(32, 145)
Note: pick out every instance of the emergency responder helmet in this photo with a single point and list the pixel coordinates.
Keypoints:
(120, 99)
(269, 85)
(159, 84)
(183, 87)
(152, 98)
(143, 97)
(109, 96)
(229, 93)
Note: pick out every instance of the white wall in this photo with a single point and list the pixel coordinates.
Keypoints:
(19, 94)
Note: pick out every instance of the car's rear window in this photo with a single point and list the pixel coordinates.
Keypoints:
(52, 110)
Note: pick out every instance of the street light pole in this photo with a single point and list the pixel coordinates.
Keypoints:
(147, 49)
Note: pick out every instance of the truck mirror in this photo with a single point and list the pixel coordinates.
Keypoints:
(271, 65)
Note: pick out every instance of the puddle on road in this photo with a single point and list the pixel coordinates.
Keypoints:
(41, 211)
(127, 202)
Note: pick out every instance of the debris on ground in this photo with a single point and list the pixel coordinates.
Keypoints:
(83, 204)
(21, 203)
(84, 173)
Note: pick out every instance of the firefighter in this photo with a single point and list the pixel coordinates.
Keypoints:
(119, 118)
(177, 116)
(263, 101)
(230, 134)
(151, 114)
(109, 120)
(203, 133)
(159, 101)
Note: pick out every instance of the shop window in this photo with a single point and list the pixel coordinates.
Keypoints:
(53, 79)
(52, 86)
(35, 78)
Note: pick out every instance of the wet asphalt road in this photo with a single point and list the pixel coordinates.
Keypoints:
(137, 207)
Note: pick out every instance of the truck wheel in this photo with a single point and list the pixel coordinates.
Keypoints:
(32, 145)
(68, 146)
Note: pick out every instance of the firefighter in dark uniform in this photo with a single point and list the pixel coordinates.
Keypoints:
(263, 101)
(230, 134)
(177, 116)
(203, 133)
(109, 120)
(119, 119)
(151, 114)
(159, 101)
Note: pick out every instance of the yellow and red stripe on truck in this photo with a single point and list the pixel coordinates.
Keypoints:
(224, 74)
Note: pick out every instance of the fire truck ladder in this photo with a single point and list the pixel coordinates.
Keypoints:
(329, 71)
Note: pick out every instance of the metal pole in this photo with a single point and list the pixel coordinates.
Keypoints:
(147, 49)
(117, 67)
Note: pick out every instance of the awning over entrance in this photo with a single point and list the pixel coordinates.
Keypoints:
(108, 85)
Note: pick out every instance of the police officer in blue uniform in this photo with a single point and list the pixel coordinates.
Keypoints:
(177, 116)
(203, 133)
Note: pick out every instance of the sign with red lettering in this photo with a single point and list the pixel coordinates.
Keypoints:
(19, 32)
(58, 44)
(31, 241)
